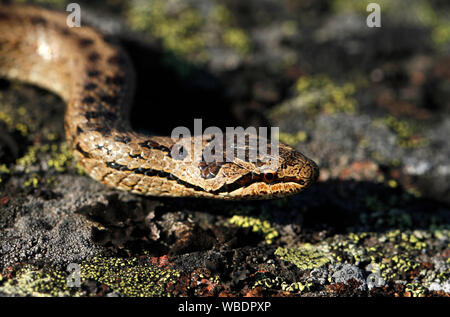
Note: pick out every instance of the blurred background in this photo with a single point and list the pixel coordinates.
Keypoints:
(370, 105)
(365, 103)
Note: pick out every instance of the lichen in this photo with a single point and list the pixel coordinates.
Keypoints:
(408, 135)
(237, 39)
(129, 276)
(179, 29)
(61, 157)
(257, 225)
(187, 30)
(6, 118)
(31, 281)
(293, 139)
(278, 283)
(30, 156)
(305, 257)
(392, 255)
(319, 94)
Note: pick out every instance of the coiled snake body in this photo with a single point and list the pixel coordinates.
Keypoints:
(95, 79)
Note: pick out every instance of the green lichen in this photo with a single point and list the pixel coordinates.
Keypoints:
(130, 276)
(319, 94)
(17, 118)
(7, 119)
(408, 135)
(186, 30)
(58, 156)
(415, 289)
(222, 15)
(305, 257)
(278, 283)
(179, 29)
(4, 170)
(293, 139)
(30, 156)
(30, 281)
(32, 181)
(61, 157)
(231, 35)
(393, 255)
(257, 225)
(441, 34)
(237, 39)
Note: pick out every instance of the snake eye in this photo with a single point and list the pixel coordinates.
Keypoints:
(269, 177)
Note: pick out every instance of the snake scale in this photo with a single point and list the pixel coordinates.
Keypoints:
(95, 79)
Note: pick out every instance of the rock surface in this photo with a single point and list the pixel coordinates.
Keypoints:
(371, 106)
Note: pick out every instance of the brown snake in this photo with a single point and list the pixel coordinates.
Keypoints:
(95, 79)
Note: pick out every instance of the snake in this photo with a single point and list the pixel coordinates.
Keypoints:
(94, 76)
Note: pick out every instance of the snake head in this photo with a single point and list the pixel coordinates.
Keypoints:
(293, 173)
(290, 174)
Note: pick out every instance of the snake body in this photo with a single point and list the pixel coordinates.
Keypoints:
(95, 79)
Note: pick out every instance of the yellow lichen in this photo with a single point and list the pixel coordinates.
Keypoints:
(257, 225)
(31, 281)
(237, 39)
(128, 276)
(179, 31)
(62, 157)
(293, 139)
(304, 256)
(319, 94)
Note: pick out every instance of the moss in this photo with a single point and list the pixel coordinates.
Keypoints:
(305, 257)
(129, 276)
(257, 225)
